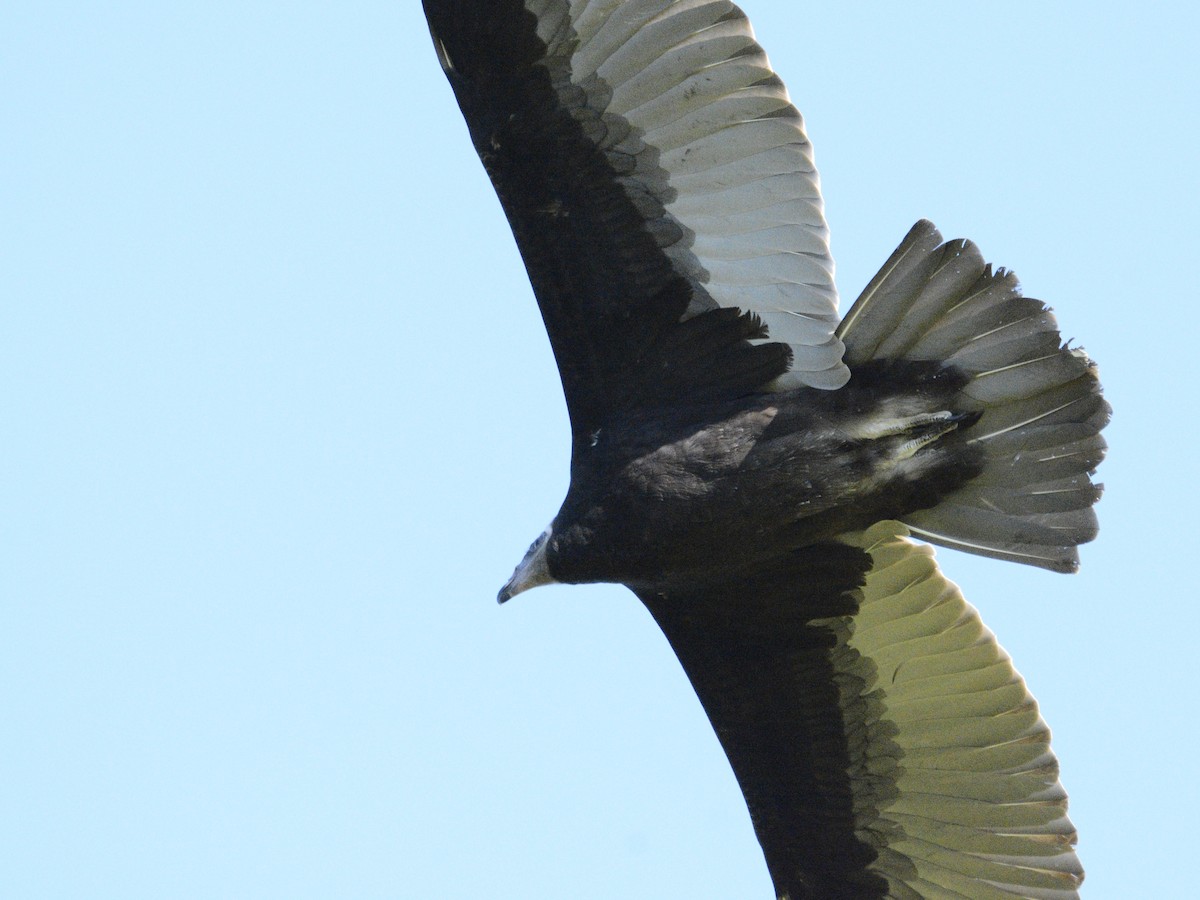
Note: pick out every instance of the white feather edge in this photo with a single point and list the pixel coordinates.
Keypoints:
(978, 809)
(690, 78)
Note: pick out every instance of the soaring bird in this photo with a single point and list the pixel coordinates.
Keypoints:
(756, 470)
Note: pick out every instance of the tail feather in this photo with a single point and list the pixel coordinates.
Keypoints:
(889, 296)
(998, 315)
(1039, 402)
(1068, 494)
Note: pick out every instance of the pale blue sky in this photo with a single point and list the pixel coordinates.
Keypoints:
(278, 416)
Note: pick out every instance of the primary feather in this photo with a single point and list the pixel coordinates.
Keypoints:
(753, 470)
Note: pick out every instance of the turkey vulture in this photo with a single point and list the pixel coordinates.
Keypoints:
(755, 469)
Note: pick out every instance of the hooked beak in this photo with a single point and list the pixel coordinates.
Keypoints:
(532, 572)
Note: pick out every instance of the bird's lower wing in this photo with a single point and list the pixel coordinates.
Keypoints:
(884, 743)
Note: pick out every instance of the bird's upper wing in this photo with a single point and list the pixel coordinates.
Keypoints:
(652, 168)
(884, 743)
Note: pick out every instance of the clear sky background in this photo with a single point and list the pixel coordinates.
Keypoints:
(278, 416)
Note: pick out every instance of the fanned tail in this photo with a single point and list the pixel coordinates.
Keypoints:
(1040, 400)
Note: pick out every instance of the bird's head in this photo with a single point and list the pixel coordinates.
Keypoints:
(532, 571)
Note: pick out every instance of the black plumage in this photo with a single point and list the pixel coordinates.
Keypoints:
(751, 468)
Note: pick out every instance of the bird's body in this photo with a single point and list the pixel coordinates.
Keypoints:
(752, 467)
(714, 489)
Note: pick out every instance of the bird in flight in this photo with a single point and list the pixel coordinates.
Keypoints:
(755, 470)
